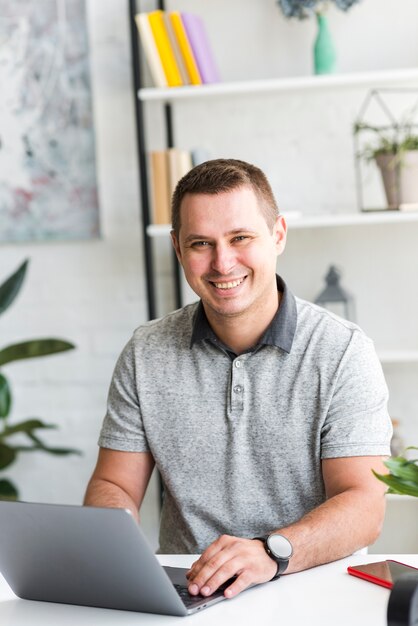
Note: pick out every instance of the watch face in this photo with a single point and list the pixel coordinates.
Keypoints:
(280, 546)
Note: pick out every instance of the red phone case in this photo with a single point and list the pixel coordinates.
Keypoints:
(379, 573)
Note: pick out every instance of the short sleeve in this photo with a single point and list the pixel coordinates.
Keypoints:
(357, 422)
(122, 426)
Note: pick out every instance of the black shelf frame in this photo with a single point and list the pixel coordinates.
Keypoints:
(145, 208)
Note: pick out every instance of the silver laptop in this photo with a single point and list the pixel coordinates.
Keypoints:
(89, 556)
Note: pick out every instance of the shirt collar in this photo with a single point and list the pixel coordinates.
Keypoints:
(280, 332)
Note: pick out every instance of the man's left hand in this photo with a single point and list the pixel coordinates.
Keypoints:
(227, 557)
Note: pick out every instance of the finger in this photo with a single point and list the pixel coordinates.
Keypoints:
(208, 555)
(222, 574)
(189, 571)
(243, 581)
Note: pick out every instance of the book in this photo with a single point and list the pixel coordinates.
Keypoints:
(150, 49)
(160, 187)
(202, 51)
(176, 49)
(168, 60)
(185, 48)
(179, 163)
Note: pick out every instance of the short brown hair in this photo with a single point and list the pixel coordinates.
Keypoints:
(222, 175)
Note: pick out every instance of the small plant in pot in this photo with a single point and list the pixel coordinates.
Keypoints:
(16, 438)
(394, 149)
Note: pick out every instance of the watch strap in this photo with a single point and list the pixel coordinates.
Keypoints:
(266, 548)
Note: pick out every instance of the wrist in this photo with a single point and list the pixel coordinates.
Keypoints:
(279, 549)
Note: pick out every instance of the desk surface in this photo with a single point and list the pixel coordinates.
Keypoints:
(322, 596)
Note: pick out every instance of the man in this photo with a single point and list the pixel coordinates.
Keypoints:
(264, 414)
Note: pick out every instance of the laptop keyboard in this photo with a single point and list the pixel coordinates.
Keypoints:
(191, 601)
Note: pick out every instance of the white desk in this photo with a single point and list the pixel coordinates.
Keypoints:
(322, 596)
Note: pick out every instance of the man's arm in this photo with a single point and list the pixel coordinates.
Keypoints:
(120, 480)
(351, 518)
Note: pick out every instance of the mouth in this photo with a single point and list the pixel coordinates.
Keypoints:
(230, 284)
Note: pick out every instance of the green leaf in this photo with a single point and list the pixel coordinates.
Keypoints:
(401, 468)
(397, 485)
(60, 451)
(11, 287)
(7, 455)
(33, 348)
(7, 490)
(39, 445)
(24, 427)
(5, 397)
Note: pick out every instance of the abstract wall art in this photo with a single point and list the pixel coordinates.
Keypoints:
(48, 188)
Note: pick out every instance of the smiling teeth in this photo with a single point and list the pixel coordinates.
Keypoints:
(231, 285)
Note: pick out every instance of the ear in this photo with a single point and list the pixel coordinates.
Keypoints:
(176, 245)
(280, 234)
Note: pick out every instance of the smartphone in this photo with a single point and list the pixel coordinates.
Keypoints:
(384, 573)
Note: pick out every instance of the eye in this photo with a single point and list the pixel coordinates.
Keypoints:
(239, 238)
(199, 244)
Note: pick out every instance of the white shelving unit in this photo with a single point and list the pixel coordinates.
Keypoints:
(277, 85)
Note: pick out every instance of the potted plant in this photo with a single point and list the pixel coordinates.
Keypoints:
(403, 475)
(11, 434)
(392, 145)
(395, 151)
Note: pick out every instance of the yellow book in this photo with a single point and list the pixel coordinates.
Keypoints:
(185, 48)
(172, 73)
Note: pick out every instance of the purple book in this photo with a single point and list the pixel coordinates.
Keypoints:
(198, 38)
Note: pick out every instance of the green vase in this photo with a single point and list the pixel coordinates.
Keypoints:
(324, 50)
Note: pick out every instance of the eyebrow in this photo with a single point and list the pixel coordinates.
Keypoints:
(235, 231)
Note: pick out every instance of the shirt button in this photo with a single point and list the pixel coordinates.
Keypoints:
(238, 389)
(238, 363)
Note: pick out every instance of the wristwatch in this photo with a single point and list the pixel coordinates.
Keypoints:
(279, 549)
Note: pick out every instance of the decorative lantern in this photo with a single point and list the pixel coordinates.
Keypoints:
(335, 298)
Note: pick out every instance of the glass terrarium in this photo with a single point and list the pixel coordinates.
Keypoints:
(386, 150)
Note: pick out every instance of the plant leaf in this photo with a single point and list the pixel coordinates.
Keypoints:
(11, 287)
(5, 397)
(401, 468)
(33, 348)
(397, 485)
(39, 445)
(24, 427)
(7, 490)
(7, 455)
(60, 451)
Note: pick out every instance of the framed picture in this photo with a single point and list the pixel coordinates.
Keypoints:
(48, 188)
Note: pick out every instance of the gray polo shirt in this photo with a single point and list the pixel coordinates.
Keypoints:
(239, 439)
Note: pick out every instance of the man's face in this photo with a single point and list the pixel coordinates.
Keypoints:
(228, 252)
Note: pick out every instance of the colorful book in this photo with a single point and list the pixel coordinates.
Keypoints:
(168, 60)
(202, 51)
(185, 48)
(150, 50)
(176, 49)
(160, 187)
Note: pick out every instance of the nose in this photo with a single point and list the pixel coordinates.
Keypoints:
(223, 259)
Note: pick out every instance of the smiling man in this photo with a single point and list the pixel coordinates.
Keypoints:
(264, 414)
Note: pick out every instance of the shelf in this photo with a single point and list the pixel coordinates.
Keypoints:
(387, 357)
(322, 221)
(277, 85)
